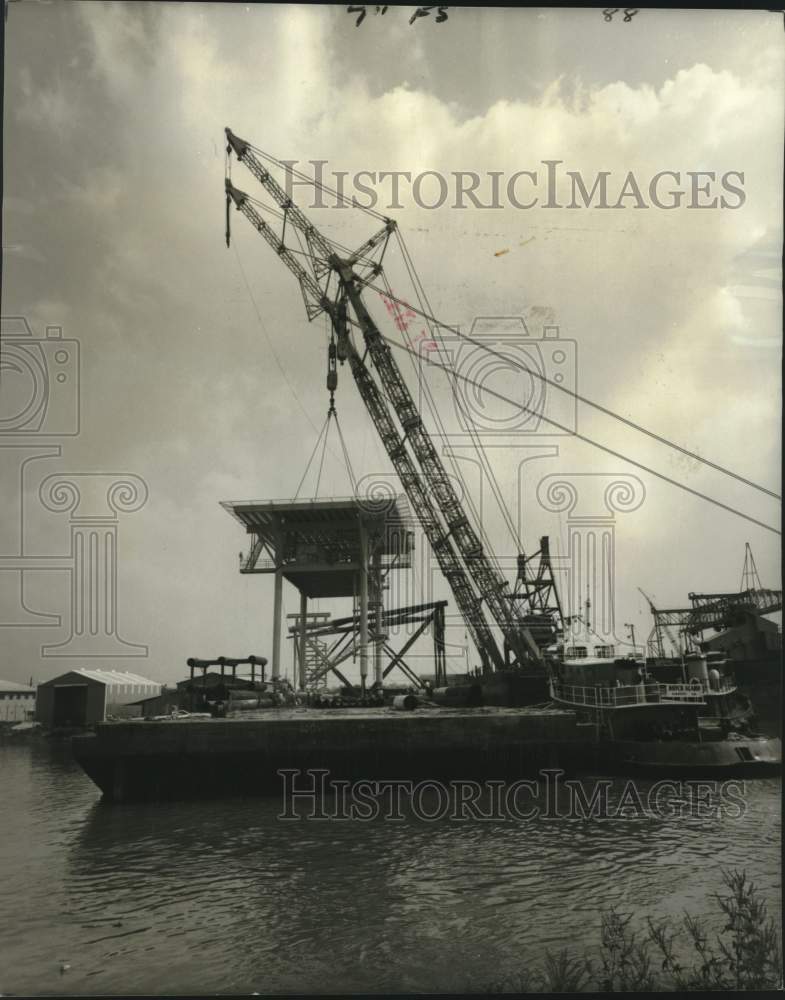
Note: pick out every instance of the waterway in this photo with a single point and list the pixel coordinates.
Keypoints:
(214, 897)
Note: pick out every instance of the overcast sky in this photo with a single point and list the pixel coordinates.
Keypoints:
(114, 230)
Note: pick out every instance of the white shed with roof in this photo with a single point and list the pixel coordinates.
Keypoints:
(88, 695)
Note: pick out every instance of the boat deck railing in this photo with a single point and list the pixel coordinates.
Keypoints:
(628, 695)
(726, 686)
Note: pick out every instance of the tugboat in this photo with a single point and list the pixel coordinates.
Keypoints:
(727, 707)
(691, 727)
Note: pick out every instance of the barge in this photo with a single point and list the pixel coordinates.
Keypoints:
(200, 758)
(182, 758)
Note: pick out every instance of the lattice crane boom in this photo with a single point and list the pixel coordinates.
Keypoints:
(318, 245)
(316, 300)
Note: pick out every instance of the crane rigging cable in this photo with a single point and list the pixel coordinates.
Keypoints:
(268, 338)
(581, 437)
(434, 322)
(455, 465)
(322, 438)
(472, 430)
(310, 460)
(582, 399)
(591, 441)
(332, 414)
(282, 370)
(287, 167)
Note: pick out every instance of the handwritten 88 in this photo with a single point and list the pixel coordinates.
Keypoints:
(629, 13)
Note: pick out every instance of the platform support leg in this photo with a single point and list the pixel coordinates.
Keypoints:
(378, 597)
(303, 638)
(277, 606)
(363, 606)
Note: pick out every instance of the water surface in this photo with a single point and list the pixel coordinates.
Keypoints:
(224, 897)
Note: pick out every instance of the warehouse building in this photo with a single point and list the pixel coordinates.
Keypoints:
(17, 702)
(84, 697)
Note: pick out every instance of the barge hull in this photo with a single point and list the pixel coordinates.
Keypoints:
(189, 759)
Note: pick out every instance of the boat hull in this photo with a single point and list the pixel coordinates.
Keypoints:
(750, 757)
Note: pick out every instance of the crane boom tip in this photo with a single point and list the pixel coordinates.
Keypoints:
(237, 196)
(239, 145)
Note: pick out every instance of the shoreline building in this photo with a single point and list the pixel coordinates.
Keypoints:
(17, 702)
(84, 697)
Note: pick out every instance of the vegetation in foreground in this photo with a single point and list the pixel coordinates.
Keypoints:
(746, 954)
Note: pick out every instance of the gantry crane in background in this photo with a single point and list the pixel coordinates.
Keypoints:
(717, 611)
(332, 283)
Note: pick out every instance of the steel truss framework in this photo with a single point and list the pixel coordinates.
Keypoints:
(719, 610)
(333, 641)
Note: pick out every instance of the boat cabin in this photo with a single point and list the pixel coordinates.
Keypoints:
(618, 695)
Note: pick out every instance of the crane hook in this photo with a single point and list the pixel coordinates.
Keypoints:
(332, 373)
(228, 199)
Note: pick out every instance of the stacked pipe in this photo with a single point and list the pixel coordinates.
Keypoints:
(458, 696)
(247, 700)
(405, 702)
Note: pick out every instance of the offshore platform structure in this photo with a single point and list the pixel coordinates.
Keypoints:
(338, 548)
(333, 283)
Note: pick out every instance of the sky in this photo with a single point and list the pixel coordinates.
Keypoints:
(200, 374)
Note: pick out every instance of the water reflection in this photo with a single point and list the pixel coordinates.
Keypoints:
(221, 897)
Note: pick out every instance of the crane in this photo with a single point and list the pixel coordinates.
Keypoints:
(724, 610)
(659, 626)
(333, 284)
(535, 587)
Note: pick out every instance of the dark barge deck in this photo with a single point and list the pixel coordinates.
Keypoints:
(209, 757)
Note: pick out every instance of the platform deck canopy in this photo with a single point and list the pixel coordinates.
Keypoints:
(318, 543)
